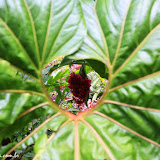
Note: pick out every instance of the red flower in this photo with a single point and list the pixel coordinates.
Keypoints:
(80, 87)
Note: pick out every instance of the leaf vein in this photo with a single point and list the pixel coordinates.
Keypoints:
(132, 106)
(99, 138)
(121, 34)
(60, 31)
(51, 137)
(33, 29)
(18, 42)
(31, 134)
(135, 51)
(23, 91)
(47, 34)
(32, 109)
(134, 81)
(102, 33)
(97, 46)
(126, 128)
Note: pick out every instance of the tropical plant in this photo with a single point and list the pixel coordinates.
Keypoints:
(121, 36)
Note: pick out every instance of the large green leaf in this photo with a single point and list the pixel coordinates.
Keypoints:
(122, 34)
(31, 34)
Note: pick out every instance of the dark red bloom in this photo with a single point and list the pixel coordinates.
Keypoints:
(79, 86)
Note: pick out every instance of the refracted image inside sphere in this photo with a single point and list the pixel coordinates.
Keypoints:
(75, 86)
